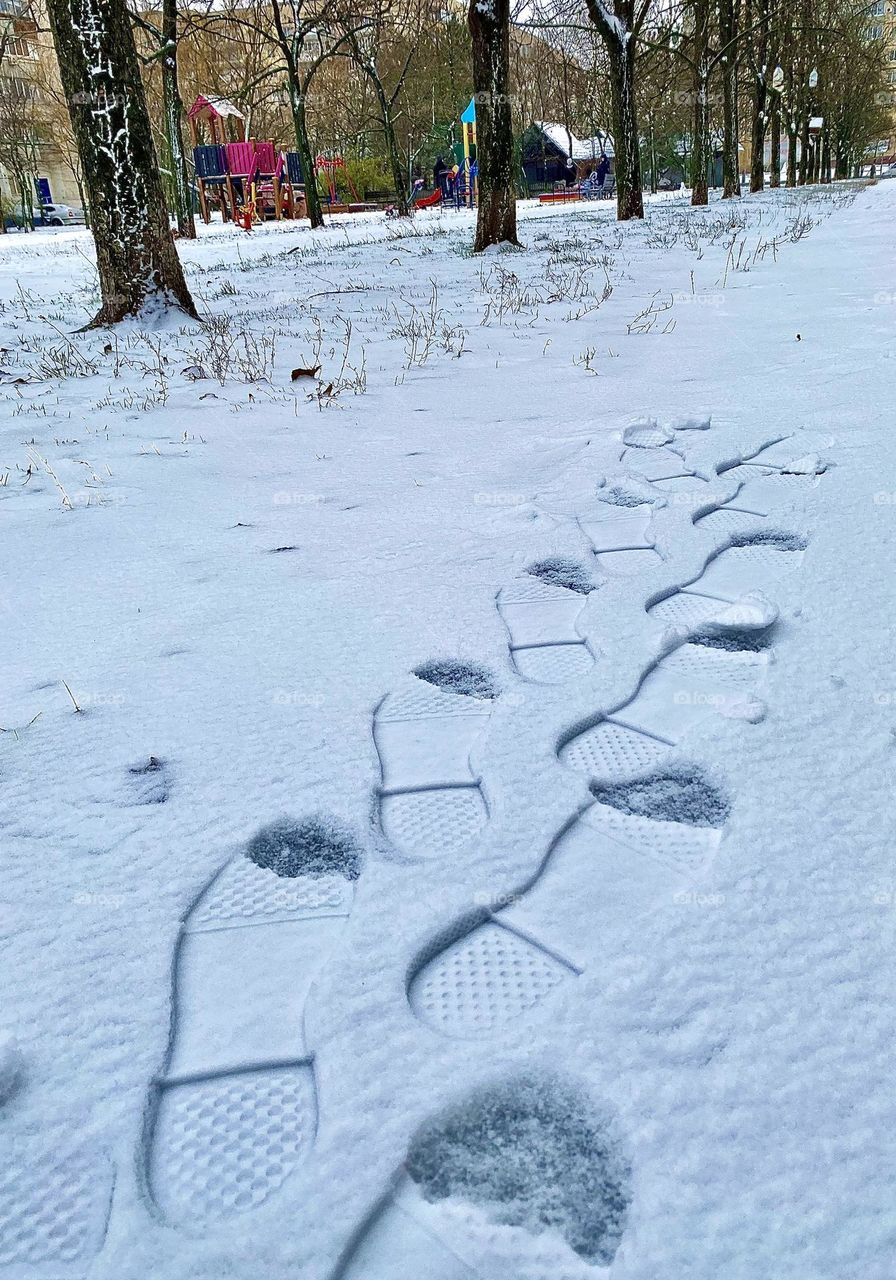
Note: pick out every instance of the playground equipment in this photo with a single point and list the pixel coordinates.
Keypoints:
(465, 184)
(427, 202)
(462, 178)
(330, 166)
(245, 177)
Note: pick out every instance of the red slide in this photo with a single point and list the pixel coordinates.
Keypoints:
(426, 202)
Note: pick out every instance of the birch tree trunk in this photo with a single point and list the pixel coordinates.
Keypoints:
(489, 25)
(137, 262)
(174, 113)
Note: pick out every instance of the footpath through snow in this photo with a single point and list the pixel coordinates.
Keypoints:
(444, 799)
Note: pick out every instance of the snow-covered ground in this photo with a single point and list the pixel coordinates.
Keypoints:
(571, 956)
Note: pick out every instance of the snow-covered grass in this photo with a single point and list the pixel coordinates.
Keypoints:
(212, 574)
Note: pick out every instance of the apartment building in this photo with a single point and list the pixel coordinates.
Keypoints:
(35, 139)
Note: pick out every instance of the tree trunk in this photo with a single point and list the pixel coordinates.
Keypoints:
(804, 150)
(627, 159)
(489, 25)
(174, 112)
(700, 155)
(303, 146)
(759, 58)
(700, 141)
(654, 180)
(728, 61)
(791, 129)
(775, 130)
(398, 176)
(730, 167)
(757, 140)
(137, 262)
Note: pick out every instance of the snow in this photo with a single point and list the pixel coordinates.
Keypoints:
(11, 1065)
(606, 947)
(582, 148)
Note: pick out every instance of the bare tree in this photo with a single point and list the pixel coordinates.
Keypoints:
(305, 42)
(619, 23)
(166, 37)
(137, 261)
(369, 49)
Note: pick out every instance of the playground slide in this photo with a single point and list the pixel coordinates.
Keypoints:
(426, 202)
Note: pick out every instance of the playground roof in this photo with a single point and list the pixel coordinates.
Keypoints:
(582, 148)
(216, 108)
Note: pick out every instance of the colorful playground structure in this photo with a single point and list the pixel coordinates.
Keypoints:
(459, 185)
(250, 180)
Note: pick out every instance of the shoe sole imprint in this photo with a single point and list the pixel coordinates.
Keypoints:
(676, 695)
(545, 645)
(235, 1111)
(493, 968)
(622, 538)
(430, 801)
(54, 1210)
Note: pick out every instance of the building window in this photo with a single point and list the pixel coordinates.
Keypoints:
(15, 89)
(876, 10)
(874, 33)
(19, 47)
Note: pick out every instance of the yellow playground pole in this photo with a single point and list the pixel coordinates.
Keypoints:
(468, 133)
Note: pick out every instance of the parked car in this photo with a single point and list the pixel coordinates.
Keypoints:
(58, 215)
(889, 171)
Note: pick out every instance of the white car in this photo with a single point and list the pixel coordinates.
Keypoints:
(888, 172)
(59, 215)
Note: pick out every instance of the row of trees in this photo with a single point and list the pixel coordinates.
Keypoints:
(756, 69)
(387, 82)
